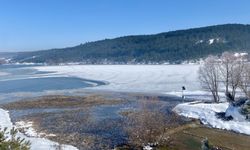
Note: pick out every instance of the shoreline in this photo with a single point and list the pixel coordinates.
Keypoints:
(54, 137)
(36, 142)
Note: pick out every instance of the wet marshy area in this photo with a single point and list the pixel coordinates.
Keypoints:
(87, 122)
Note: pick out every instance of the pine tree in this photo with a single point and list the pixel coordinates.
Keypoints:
(12, 142)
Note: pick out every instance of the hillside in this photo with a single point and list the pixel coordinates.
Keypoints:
(173, 47)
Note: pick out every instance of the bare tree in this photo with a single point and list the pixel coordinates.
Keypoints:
(209, 76)
(225, 67)
(235, 77)
(231, 68)
(245, 80)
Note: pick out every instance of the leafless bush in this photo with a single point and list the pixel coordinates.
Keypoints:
(147, 125)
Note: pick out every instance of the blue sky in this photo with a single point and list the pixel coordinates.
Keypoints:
(43, 24)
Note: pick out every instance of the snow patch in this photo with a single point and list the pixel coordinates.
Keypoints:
(198, 42)
(235, 113)
(240, 54)
(198, 95)
(207, 115)
(211, 41)
(147, 148)
(27, 128)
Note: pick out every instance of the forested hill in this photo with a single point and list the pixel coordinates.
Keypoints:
(174, 47)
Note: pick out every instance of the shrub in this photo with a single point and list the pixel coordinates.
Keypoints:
(12, 142)
(148, 125)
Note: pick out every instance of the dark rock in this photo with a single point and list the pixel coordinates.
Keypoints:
(229, 97)
(222, 116)
(240, 102)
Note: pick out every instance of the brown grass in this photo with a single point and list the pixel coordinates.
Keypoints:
(72, 125)
(61, 102)
(191, 137)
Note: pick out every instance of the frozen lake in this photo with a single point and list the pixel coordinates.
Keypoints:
(17, 81)
(20, 82)
(122, 78)
(133, 78)
(24, 81)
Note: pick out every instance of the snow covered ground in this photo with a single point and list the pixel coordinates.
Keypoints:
(36, 142)
(198, 95)
(207, 115)
(133, 78)
(27, 128)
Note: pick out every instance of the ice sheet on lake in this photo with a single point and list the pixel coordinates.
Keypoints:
(133, 78)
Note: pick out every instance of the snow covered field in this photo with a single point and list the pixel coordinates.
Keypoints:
(36, 142)
(207, 115)
(133, 78)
